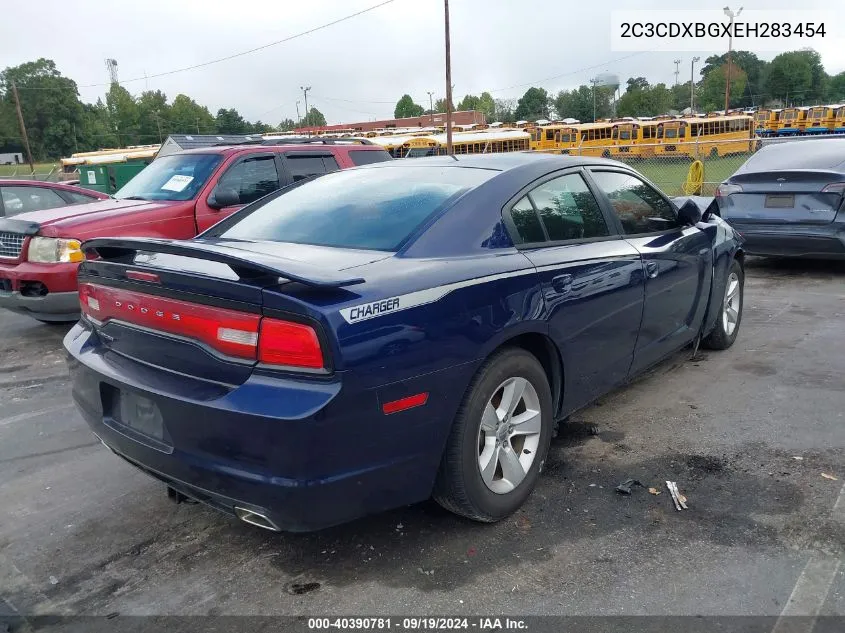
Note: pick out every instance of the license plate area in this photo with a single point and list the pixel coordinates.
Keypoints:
(780, 201)
(135, 416)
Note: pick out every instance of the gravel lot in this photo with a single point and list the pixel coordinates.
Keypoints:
(746, 433)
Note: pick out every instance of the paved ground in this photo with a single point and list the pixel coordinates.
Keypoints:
(83, 533)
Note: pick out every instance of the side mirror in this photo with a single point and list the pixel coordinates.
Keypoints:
(689, 214)
(223, 197)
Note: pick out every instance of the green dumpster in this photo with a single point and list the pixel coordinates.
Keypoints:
(109, 177)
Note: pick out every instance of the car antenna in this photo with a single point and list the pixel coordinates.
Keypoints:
(455, 158)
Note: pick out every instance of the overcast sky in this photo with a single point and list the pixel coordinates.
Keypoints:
(357, 69)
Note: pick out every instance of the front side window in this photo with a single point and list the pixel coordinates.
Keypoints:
(173, 177)
(252, 178)
(22, 199)
(568, 209)
(375, 209)
(639, 207)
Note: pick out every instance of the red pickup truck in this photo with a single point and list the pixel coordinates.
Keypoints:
(177, 196)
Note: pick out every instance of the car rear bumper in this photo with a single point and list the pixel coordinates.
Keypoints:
(821, 242)
(305, 454)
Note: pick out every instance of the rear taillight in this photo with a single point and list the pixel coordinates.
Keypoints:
(289, 344)
(726, 189)
(229, 332)
(835, 187)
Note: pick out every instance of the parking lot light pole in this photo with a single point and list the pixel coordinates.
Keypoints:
(692, 85)
(305, 90)
(731, 15)
(430, 108)
(449, 149)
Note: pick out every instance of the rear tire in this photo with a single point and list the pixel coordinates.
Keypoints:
(730, 313)
(488, 429)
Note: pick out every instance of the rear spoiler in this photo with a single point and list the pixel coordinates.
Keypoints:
(246, 264)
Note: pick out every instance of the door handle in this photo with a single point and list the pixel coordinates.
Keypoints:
(651, 269)
(562, 283)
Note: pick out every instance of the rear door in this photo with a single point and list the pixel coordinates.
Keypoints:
(592, 280)
(678, 262)
(251, 177)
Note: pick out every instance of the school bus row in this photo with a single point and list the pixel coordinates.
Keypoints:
(690, 137)
(828, 119)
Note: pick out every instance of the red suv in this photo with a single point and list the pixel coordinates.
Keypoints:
(177, 196)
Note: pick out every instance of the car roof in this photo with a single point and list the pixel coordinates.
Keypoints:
(499, 162)
(822, 153)
(232, 149)
(9, 182)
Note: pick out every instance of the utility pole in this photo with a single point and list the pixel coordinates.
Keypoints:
(677, 70)
(731, 15)
(298, 118)
(158, 123)
(198, 125)
(594, 81)
(430, 107)
(305, 90)
(449, 148)
(24, 137)
(692, 84)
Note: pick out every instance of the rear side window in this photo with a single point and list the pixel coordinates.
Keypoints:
(558, 210)
(568, 209)
(368, 157)
(305, 166)
(375, 209)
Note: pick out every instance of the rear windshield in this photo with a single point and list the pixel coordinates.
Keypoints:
(374, 209)
(367, 157)
(810, 154)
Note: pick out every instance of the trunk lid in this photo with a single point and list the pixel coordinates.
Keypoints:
(199, 308)
(782, 197)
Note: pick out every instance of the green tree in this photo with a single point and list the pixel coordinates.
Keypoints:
(123, 114)
(96, 131)
(469, 102)
(231, 122)
(797, 77)
(836, 87)
(642, 99)
(756, 72)
(314, 118)
(50, 104)
(578, 103)
(188, 117)
(533, 105)
(711, 91)
(259, 127)
(287, 125)
(440, 106)
(406, 107)
(154, 112)
(504, 110)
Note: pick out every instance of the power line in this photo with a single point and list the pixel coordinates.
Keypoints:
(252, 50)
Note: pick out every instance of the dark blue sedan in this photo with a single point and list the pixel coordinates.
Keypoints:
(386, 334)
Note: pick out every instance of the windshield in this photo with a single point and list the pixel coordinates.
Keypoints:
(374, 209)
(174, 177)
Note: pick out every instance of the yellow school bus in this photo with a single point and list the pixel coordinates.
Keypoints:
(839, 121)
(555, 136)
(792, 121)
(716, 136)
(766, 122)
(821, 120)
(596, 139)
(491, 141)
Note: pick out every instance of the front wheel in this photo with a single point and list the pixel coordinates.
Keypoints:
(499, 439)
(730, 317)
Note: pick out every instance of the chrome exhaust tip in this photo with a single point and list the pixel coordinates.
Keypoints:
(255, 518)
